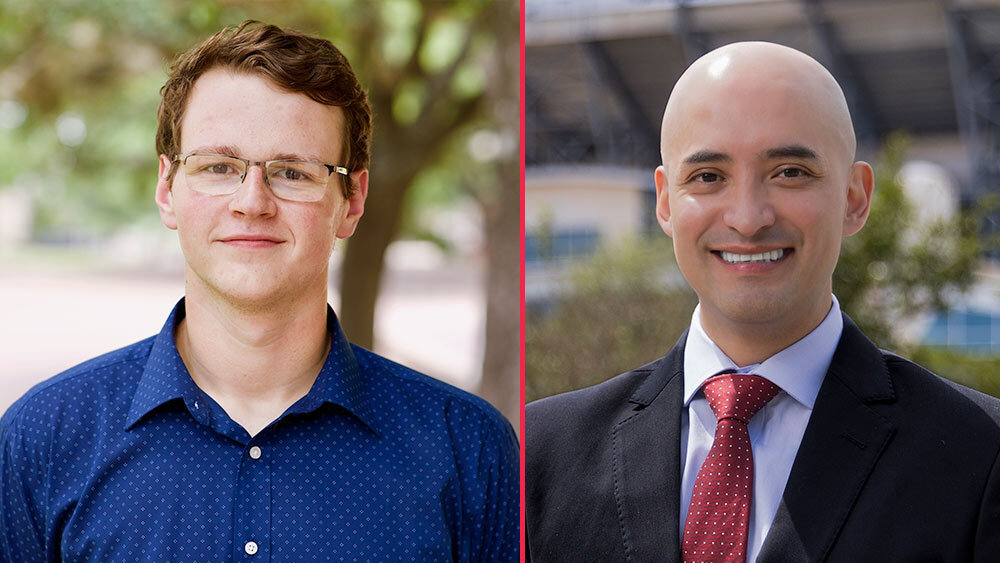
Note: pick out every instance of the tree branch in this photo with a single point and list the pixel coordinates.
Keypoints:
(438, 84)
(411, 69)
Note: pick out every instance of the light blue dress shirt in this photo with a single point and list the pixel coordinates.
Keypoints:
(775, 431)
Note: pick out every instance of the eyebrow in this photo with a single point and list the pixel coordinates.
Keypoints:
(702, 157)
(226, 150)
(293, 156)
(787, 151)
(792, 151)
(230, 150)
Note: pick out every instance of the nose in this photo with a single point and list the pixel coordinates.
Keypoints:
(749, 208)
(254, 197)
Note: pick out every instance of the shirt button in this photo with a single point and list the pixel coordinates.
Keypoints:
(255, 453)
(250, 548)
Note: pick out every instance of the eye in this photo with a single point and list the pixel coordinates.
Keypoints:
(793, 173)
(220, 168)
(707, 177)
(295, 172)
(290, 174)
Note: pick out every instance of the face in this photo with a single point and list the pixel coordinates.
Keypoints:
(251, 247)
(757, 191)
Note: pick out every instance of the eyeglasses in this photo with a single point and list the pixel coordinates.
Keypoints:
(294, 180)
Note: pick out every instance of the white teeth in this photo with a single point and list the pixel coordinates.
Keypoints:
(764, 257)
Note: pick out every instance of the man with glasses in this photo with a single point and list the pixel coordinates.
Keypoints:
(249, 428)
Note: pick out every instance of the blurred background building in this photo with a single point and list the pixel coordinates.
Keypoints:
(431, 277)
(922, 79)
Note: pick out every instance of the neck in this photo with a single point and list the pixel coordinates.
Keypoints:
(748, 343)
(254, 362)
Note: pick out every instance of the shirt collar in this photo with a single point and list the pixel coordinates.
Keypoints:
(165, 377)
(799, 369)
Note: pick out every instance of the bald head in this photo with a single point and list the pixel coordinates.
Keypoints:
(758, 76)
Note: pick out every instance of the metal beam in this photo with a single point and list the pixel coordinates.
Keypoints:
(867, 122)
(547, 140)
(642, 127)
(974, 77)
(695, 42)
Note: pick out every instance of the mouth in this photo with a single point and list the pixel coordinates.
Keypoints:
(766, 257)
(251, 241)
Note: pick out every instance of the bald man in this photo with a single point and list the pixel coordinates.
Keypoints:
(774, 430)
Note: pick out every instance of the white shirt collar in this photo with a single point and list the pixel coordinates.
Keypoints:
(799, 369)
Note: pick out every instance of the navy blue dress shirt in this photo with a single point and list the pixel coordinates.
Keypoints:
(124, 458)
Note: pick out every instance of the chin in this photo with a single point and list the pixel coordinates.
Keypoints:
(249, 290)
(755, 308)
(256, 294)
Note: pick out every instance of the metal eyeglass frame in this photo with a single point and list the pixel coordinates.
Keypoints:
(331, 168)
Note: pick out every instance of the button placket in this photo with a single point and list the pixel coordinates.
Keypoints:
(252, 530)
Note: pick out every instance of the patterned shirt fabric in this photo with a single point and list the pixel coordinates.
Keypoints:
(124, 458)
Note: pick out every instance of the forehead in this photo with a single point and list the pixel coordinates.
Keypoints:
(251, 113)
(750, 119)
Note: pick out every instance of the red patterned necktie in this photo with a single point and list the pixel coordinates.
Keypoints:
(719, 515)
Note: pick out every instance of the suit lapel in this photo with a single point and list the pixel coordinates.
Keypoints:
(646, 462)
(842, 443)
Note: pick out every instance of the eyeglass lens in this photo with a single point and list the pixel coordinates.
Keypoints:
(288, 179)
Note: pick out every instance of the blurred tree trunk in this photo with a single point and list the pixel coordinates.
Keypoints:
(399, 152)
(501, 360)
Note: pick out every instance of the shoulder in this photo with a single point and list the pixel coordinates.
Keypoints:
(912, 395)
(78, 392)
(598, 402)
(917, 387)
(404, 393)
(606, 400)
(562, 426)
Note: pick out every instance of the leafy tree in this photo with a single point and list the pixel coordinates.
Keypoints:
(424, 95)
(893, 269)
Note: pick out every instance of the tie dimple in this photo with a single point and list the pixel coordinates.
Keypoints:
(719, 513)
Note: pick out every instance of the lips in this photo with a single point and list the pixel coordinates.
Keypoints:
(263, 238)
(251, 240)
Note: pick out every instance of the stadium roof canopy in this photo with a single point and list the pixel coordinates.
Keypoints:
(598, 72)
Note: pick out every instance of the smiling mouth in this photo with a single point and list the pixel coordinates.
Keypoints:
(759, 258)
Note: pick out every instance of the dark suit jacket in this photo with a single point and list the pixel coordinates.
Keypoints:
(896, 464)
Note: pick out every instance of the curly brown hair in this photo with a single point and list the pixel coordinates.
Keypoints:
(292, 60)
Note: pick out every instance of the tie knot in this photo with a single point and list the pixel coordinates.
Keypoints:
(737, 395)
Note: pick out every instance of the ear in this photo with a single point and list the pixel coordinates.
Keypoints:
(164, 197)
(355, 204)
(861, 182)
(662, 200)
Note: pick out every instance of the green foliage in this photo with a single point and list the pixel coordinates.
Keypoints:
(894, 269)
(625, 306)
